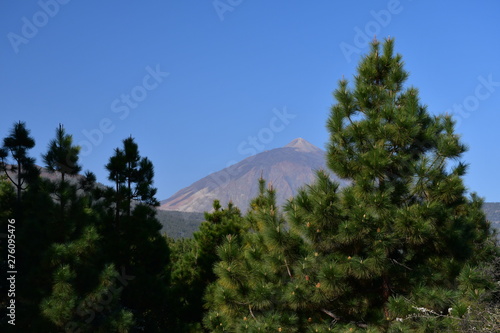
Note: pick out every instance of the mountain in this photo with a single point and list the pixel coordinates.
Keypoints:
(286, 169)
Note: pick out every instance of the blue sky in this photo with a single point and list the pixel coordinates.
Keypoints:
(204, 84)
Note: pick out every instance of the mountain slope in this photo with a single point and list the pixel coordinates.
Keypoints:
(492, 211)
(286, 169)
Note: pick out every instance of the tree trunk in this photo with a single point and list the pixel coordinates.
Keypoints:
(117, 208)
(129, 197)
(386, 293)
(19, 184)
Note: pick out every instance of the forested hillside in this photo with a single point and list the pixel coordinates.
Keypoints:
(179, 224)
(492, 210)
(184, 224)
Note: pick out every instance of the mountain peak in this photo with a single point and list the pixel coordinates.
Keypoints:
(287, 169)
(303, 145)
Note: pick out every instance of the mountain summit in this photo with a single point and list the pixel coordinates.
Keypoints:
(302, 145)
(286, 169)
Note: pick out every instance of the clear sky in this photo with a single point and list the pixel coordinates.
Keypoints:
(203, 84)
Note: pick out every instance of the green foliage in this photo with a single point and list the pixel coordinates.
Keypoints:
(394, 250)
(218, 224)
(17, 144)
(187, 287)
(407, 226)
(62, 156)
(254, 274)
(7, 198)
(144, 255)
(80, 273)
(134, 239)
(192, 264)
(133, 177)
(402, 248)
(80, 304)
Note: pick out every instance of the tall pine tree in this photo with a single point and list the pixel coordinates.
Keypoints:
(255, 274)
(192, 262)
(400, 248)
(133, 177)
(396, 242)
(62, 156)
(17, 144)
(134, 240)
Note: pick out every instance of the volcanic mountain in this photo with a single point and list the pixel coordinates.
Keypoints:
(286, 169)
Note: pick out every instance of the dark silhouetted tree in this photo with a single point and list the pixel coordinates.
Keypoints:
(62, 156)
(136, 243)
(17, 144)
(132, 177)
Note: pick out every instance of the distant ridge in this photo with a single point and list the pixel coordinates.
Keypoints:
(492, 211)
(286, 169)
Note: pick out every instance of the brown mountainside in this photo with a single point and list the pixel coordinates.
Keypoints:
(287, 169)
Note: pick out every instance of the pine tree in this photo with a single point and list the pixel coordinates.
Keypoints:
(186, 288)
(67, 283)
(62, 156)
(323, 288)
(116, 168)
(133, 177)
(131, 172)
(78, 273)
(7, 203)
(17, 145)
(395, 243)
(36, 233)
(255, 274)
(64, 273)
(401, 248)
(213, 231)
(135, 243)
(85, 297)
(192, 262)
(144, 254)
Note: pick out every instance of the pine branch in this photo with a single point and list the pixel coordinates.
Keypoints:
(288, 269)
(400, 264)
(251, 312)
(7, 174)
(331, 314)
